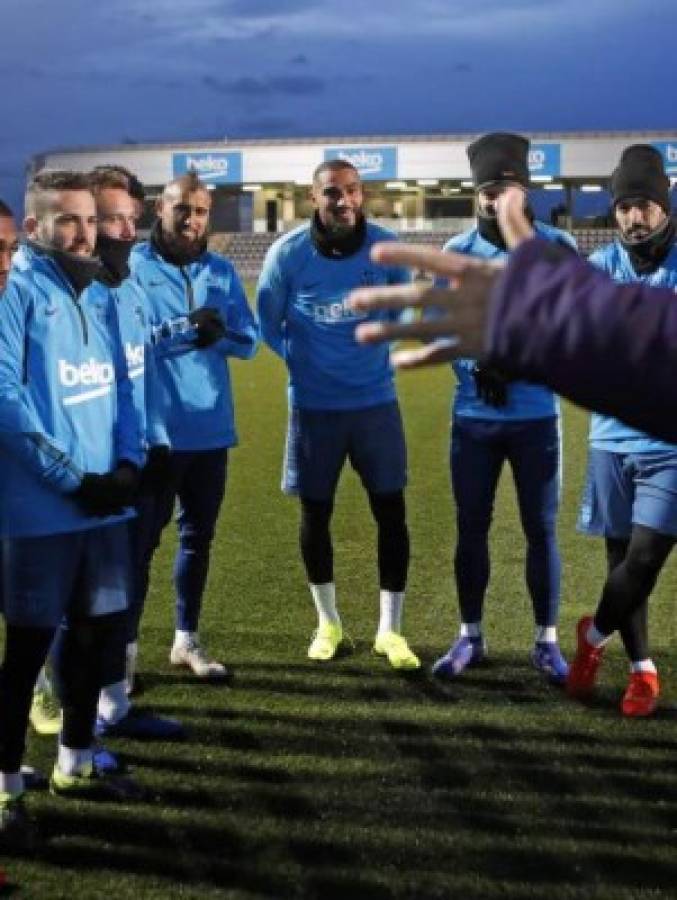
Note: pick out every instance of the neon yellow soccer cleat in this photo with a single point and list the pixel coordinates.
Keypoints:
(326, 641)
(396, 649)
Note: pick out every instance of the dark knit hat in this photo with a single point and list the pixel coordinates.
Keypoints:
(499, 156)
(640, 173)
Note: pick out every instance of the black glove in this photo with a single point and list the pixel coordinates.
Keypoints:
(108, 494)
(158, 469)
(209, 324)
(492, 385)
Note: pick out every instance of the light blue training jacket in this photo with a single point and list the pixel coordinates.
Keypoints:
(607, 433)
(189, 388)
(524, 400)
(305, 319)
(66, 403)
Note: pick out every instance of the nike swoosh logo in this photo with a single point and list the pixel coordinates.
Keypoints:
(51, 310)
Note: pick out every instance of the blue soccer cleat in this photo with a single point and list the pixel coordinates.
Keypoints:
(105, 762)
(547, 658)
(464, 652)
(141, 726)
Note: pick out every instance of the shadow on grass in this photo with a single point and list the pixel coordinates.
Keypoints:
(354, 782)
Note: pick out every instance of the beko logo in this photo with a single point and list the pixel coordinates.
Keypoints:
(536, 160)
(87, 373)
(364, 161)
(208, 165)
(134, 354)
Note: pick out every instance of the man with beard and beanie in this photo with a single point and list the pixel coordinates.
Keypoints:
(495, 421)
(342, 400)
(70, 451)
(631, 492)
(117, 213)
(198, 316)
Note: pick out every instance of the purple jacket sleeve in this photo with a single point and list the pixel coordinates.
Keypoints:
(612, 348)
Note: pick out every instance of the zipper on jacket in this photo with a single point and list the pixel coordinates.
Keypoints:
(76, 301)
(189, 289)
(83, 320)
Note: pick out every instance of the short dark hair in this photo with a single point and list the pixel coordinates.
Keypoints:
(114, 176)
(49, 180)
(187, 184)
(5, 211)
(333, 165)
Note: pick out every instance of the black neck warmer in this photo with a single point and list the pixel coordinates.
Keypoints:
(114, 256)
(79, 271)
(647, 254)
(488, 228)
(337, 247)
(175, 256)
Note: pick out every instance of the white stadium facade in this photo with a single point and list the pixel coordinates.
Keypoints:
(418, 185)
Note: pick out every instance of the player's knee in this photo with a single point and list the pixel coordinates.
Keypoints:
(472, 526)
(642, 564)
(389, 510)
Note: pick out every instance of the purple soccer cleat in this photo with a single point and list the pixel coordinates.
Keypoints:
(464, 652)
(547, 658)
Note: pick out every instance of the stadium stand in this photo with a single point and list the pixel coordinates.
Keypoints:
(248, 250)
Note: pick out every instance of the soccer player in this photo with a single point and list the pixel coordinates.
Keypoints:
(496, 420)
(342, 398)
(631, 491)
(537, 316)
(117, 213)
(70, 449)
(199, 316)
(9, 242)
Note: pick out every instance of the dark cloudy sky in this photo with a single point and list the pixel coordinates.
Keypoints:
(77, 72)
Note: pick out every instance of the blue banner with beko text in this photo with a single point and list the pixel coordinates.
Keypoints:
(545, 160)
(214, 167)
(668, 150)
(372, 163)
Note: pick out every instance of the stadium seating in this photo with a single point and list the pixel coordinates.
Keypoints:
(247, 250)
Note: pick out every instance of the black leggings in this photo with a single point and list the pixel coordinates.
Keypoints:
(393, 539)
(85, 657)
(88, 655)
(26, 650)
(634, 567)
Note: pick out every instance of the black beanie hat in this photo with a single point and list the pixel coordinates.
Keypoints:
(640, 173)
(499, 156)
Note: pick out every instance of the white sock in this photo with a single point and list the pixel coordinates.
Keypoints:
(644, 665)
(113, 702)
(546, 634)
(11, 783)
(391, 603)
(42, 682)
(73, 762)
(131, 656)
(471, 629)
(324, 598)
(596, 638)
(184, 638)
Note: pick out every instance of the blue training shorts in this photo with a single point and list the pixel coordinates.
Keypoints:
(320, 441)
(626, 489)
(75, 575)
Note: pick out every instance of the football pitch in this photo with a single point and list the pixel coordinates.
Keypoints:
(347, 780)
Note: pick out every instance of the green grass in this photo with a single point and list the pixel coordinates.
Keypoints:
(345, 780)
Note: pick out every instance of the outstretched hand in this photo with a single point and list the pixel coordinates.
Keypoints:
(461, 310)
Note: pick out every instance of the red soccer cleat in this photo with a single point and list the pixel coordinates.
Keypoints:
(641, 695)
(583, 669)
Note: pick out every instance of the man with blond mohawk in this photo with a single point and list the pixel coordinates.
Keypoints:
(198, 316)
